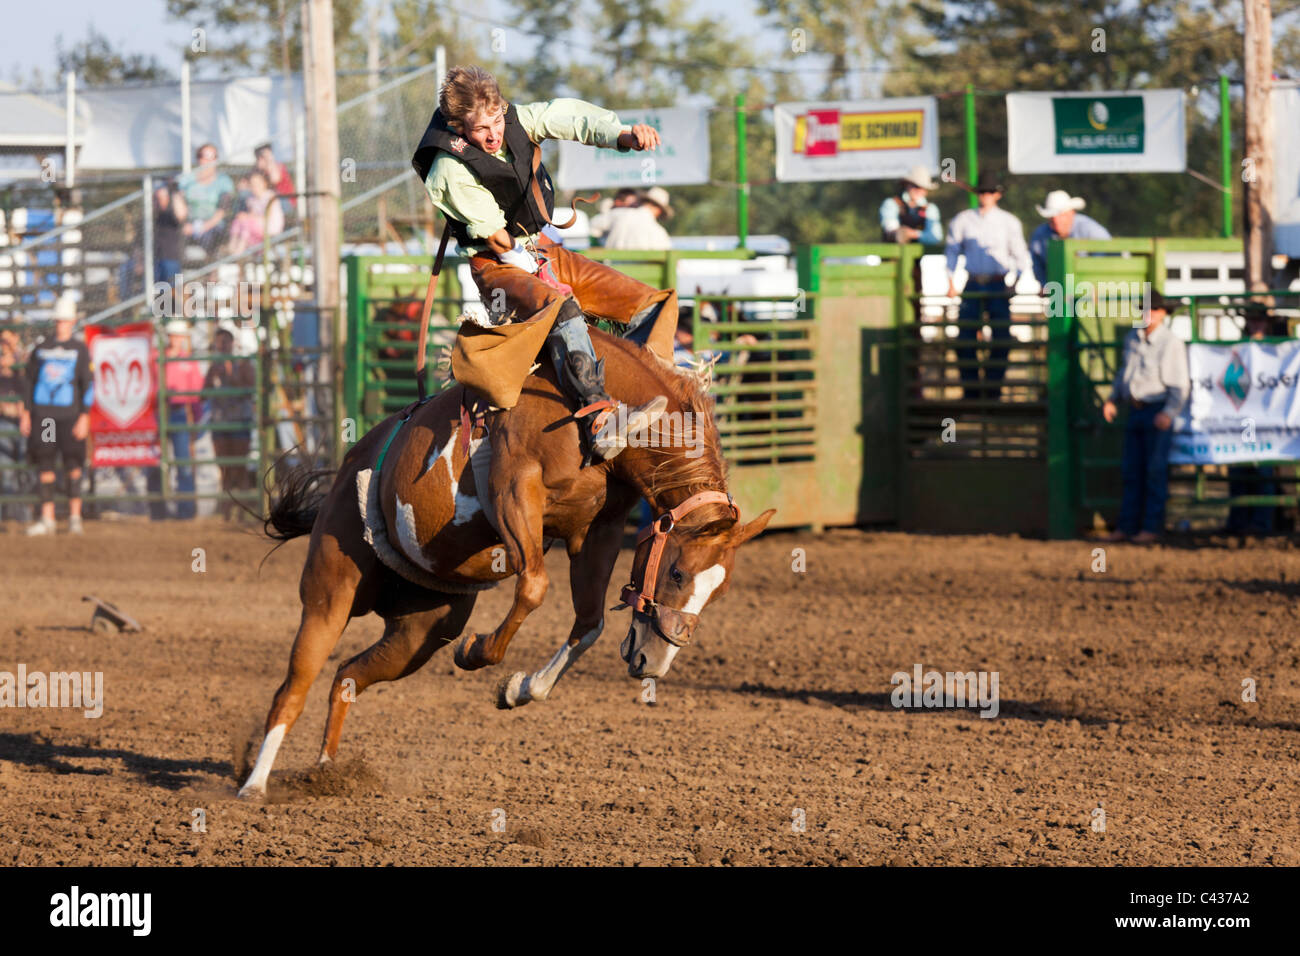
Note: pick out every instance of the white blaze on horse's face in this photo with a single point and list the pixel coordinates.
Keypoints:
(681, 593)
(693, 570)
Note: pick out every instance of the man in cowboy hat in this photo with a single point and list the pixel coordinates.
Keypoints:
(480, 163)
(910, 216)
(56, 415)
(993, 242)
(640, 228)
(1154, 383)
(1064, 221)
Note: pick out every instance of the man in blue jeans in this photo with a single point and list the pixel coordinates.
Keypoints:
(1154, 383)
(992, 241)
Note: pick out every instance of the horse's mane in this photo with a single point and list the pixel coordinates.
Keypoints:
(687, 390)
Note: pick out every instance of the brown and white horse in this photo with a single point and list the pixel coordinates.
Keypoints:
(440, 547)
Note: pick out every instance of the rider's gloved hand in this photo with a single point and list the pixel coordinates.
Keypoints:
(520, 257)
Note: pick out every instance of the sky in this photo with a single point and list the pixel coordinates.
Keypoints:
(30, 29)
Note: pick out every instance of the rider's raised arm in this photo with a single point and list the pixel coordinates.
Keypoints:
(573, 119)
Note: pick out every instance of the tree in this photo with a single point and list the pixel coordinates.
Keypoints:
(96, 63)
(1084, 45)
(241, 36)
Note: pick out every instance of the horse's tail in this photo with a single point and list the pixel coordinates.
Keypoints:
(295, 501)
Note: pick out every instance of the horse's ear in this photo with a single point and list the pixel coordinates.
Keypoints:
(752, 529)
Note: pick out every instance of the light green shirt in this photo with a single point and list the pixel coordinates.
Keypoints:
(459, 194)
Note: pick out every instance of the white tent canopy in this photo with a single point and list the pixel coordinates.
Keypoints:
(140, 127)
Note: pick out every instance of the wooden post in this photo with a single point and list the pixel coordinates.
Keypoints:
(1258, 173)
(322, 113)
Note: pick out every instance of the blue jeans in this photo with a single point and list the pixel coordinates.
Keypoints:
(571, 335)
(166, 270)
(181, 444)
(999, 311)
(1146, 472)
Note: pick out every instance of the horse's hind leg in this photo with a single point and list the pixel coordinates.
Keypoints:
(329, 592)
(413, 631)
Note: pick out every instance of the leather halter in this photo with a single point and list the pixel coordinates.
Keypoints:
(642, 599)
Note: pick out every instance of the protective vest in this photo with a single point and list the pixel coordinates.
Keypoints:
(508, 181)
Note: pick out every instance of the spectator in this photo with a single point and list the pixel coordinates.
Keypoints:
(1064, 221)
(180, 376)
(277, 175)
(910, 216)
(210, 195)
(1247, 479)
(56, 419)
(170, 212)
(1153, 381)
(234, 415)
(639, 227)
(260, 217)
(625, 198)
(993, 242)
(11, 443)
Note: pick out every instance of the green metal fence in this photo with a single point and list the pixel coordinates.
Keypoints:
(290, 416)
(852, 409)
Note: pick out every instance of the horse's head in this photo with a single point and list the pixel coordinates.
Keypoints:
(677, 570)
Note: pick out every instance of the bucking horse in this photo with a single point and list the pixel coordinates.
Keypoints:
(436, 503)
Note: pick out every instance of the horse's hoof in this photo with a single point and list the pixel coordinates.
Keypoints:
(508, 691)
(468, 656)
(252, 794)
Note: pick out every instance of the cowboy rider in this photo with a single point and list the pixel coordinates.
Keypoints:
(476, 162)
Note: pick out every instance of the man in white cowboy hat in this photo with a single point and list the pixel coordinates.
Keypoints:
(640, 228)
(56, 414)
(1064, 221)
(910, 216)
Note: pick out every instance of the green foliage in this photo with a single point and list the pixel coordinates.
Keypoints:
(243, 36)
(96, 63)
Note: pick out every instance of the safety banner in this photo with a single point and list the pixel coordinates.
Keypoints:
(681, 158)
(1138, 132)
(1245, 404)
(124, 414)
(863, 139)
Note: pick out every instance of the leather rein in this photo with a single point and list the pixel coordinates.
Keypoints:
(641, 597)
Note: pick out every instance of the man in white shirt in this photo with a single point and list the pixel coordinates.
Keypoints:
(640, 228)
(992, 241)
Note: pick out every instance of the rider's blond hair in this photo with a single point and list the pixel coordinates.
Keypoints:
(466, 90)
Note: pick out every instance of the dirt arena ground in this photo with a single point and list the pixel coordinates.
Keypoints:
(1120, 689)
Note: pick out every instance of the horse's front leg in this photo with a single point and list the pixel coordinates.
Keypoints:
(520, 508)
(591, 562)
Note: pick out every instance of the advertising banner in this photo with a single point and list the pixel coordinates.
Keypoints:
(1245, 404)
(865, 139)
(124, 416)
(1138, 132)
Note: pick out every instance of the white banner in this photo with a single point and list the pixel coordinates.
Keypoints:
(681, 159)
(1286, 168)
(1138, 132)
(864, 139)
(1245, 404)
(141, 128)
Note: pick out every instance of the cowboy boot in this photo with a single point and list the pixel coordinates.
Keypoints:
(607, 429)
(582, 379)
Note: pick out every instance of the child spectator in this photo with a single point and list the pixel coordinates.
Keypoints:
(260, 218)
